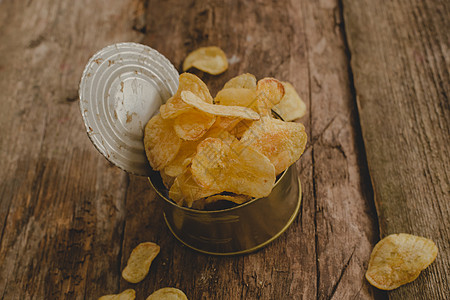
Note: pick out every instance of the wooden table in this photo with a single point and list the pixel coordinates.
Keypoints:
(374, 75)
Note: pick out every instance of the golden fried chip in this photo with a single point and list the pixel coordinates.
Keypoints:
(232, 168)
(160, 141)
(270, 92)
(282, 142)
(139, 262)
(226, 123)
(166, 179)
(192, 125)
(219, 110)
(246, 81)
(182, 159)
(291, 106)
(129, 294)
(241, 128)
(236, 97)
(211, 60)
(185, 190)
(168, 293)
(187, 82)
(398, 259)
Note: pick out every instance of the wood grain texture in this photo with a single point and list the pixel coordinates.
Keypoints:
(69, 219)
(400, 59)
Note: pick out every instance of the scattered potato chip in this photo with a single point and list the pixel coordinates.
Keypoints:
(211, 60)
(193, 125)
(291, 106)
(139, 262)
(160, 141)
(182, 159)
(168, 293)
(219, 110)
(236, 97)
(246, 81)
(185, 190)
(398, 259)
(129, 294)
(270, 92)
(187, 82)
(282, 142)
(233, 168)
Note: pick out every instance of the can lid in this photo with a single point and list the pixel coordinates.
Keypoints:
(122, 87)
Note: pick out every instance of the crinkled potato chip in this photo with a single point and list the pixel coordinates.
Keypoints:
(219, 110)
(291, 106)
(139, 262)
(282, 142)
(182, 159)
(160, 141)
(398, 259)
(246, 81)
(185, 190)
(187, 82)
(211, 60)
(236, 97)
(270, 92)
(166, 179)
(168, 293)
(129, 294)
(241, 128)
(192, 125)
(233, 168)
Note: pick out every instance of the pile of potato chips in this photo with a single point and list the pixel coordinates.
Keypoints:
(229, 148)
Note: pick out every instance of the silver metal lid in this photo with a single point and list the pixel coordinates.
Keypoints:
(122, 87)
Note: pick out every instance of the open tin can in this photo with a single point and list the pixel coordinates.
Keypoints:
(122, 87)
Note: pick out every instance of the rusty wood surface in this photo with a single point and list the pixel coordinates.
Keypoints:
(400, 59)
(69, 219)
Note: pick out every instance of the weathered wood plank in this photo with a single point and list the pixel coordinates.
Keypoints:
(400, 59)
(61, 203)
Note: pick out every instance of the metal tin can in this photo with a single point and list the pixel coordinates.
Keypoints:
(241, 229)
(122, 86)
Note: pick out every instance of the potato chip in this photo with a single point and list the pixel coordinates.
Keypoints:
(270, 92)
(187, 82)
(241, 128)
(282, 142)
(139, 262)
(211, 60)
(166, 179)
(182, 159)
(232, 168)
(226, 123)
(291, 106)
(193, 125)
(160, 141)
(168, 293)
(236, 97)
(246, 81)
(219, 110)
(129, 294)
(398, 259)
(185, 190)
